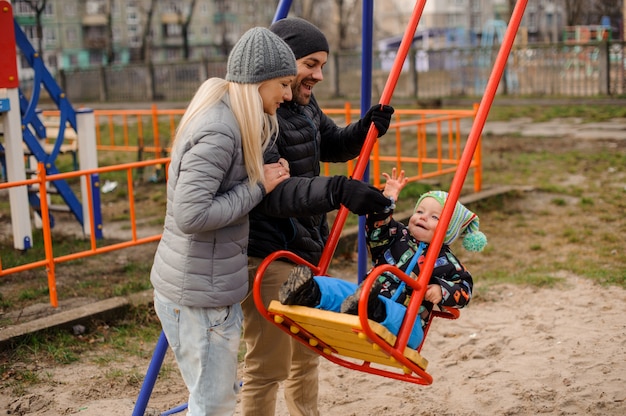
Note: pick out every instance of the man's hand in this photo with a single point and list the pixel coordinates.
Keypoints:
(359, 197)
(380, 115)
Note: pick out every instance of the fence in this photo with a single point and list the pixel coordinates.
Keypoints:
(149, 133)
(575, 70)
(424, 143)
(91, 176)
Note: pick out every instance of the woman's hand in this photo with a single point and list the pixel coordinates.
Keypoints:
(275, 173)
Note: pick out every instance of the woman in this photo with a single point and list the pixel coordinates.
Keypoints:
(216, 176)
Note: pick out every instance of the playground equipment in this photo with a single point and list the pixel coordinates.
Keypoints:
(25, 133)
(333, 335)
(319, 330)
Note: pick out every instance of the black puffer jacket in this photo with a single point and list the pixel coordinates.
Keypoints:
(293, 216)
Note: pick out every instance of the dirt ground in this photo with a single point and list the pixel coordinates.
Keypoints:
(517, 349)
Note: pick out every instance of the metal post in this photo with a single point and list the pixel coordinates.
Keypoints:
(14, 152)
(366, 102)
(87, 159)
(282, 10)
(151, 376)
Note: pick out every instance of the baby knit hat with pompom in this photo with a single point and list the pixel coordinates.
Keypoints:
(463, 223)
(260, 55)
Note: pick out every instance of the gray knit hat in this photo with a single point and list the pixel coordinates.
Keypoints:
(259, 55)
(303, 37)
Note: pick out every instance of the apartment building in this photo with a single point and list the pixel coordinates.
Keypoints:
(87, 33)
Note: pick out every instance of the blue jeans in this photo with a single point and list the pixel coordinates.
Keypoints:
(205, 342)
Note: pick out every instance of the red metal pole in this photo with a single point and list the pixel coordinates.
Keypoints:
(372, 134)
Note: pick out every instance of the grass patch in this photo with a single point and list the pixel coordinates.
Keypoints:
(136, 334)
(588, 113)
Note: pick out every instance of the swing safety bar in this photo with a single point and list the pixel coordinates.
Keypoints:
(359, 336)
(397, 349)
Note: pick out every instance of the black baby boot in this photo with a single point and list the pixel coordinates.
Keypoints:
(300, 288)
(375, 307)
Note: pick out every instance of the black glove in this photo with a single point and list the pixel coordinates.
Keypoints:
(380, 115)
(359, 197)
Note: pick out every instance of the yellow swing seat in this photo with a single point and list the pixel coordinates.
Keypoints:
(341, 334)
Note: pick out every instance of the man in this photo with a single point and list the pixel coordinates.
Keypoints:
(293, 217)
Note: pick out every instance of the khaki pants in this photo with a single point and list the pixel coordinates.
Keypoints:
(273, 356)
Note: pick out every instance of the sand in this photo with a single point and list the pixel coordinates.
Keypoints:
(520, 351)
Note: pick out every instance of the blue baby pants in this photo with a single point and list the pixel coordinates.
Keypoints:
(334, 291)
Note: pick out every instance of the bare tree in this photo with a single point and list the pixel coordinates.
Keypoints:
(146, 38)
(38, 6)
(347, 10)
(511, 4)
(610, 8)
(304, 9)
(222, 8)
(574, 11)
(185, 21)
(110, 47)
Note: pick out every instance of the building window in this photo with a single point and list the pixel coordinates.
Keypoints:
(31, 33)
(69, 8)
(95, 58)
(49, 37)
(49, 9)
(172, 54)
(21, 8)
(51, 61)
(172, 30)
(95, 7)
(117, 34)
(70, 35)
(132, 17)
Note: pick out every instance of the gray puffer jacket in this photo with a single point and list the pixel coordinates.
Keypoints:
(201, 259)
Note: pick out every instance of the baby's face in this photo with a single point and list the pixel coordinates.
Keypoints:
(423, 222)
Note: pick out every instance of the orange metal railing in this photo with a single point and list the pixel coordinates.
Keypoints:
(49, 262)
(424, 143)
(438, 144)
(437, 137)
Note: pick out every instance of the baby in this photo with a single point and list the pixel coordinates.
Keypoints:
(391, 242)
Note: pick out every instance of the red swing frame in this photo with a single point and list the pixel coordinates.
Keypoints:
(411, 371)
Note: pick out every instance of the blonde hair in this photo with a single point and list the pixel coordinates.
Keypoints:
(256, 127)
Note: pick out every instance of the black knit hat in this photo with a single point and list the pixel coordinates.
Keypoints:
(303, 37)
(259, 55)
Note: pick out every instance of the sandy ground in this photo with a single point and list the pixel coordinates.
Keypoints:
(525, 351)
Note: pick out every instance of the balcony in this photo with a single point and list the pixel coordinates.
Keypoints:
(95, 20)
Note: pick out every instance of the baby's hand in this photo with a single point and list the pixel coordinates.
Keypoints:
(433, 294)
(394, 184)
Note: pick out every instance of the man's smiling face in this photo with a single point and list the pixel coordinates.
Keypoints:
(309, 73)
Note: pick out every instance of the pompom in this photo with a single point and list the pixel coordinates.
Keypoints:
(474, 241)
